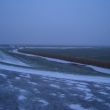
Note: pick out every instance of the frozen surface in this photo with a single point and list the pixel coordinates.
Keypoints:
(76, 107)
(100, 69)
(56, 60)
(44, 102)
(11, 60)
(25, 88)
(55, 74)
(64, 47)
(55, 86)
(50, 93)
(21, 97)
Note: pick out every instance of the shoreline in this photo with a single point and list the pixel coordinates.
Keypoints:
(68, 58)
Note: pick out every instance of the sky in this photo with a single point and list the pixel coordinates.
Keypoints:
(55, 22)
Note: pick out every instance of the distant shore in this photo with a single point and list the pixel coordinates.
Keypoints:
(70, 58)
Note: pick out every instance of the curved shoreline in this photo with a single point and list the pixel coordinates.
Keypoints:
(68, 58)
(95, 68)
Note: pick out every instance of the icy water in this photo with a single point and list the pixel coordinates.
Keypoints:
(36, 83)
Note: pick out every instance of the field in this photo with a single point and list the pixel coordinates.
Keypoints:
(31, 79)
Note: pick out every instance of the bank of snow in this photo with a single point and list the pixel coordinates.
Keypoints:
(99, 69)
(55, 74)
(10, 59)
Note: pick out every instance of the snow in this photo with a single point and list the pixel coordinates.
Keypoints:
(56, 74)
(55, 86)
(108, 104)
(21, 97)
(17, 78)
(96, 68)
(56, 60)
(23, 91)
(53, 94)
(44, 102)
(83, 87)
(89, 96)
(86, 90)
(104, 93)
(3, 75)
(36, 90)
(25, 76)
(70, 83)
(99, 69)
(16, 51)
(63, 47)
(47, 58)
(62, 96)
(99, 100)
(33, 83)
(108, 88)
(49, 73)
(11, 60)
(76, 107)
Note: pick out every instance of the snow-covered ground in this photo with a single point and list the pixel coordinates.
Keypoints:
(100, 69)
(10, 59)
(55, 74)
(25, 88)
(21, 91)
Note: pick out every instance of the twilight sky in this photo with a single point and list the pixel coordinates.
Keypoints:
(64, 22)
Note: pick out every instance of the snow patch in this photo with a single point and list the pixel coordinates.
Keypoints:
(23, 91)
(70, 83)
(53, 94)
(56, 60)
(104, 93)
(10, 59)
(21, 97)
(36, 90)
(83, 87)
(55, 86)
(62, 96)
(86, 90)
(76, 107)
(33, 83)
(3, 75)
(44, 102)
(63, 47)
(99, 69)
(18, 78)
